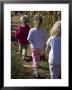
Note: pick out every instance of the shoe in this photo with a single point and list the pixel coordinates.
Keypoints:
(36, 75)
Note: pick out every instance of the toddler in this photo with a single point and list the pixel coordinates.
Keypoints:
(21, 36)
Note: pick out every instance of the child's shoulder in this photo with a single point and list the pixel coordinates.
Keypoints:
(32, 29)
(18, 27)
(50, 38)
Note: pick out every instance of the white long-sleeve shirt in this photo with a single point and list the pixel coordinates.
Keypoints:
(55, 51)
(37, 38)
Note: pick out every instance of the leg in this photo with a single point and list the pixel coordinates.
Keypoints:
(36, 68)
(26, 47)
(35, 65)
(20, 50)
(60, 72)
(24, 51)
(36, 58)
(54, 71)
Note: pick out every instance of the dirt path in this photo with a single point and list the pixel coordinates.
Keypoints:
(22, 69)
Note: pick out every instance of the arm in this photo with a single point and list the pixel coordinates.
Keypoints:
(18, 31)
(29, 38)
(47, 51)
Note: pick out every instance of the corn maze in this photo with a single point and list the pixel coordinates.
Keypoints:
(22, 69)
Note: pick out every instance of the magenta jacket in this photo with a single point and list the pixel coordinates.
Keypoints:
(22, 33)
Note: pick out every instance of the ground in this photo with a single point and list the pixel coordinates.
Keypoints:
(22, 69)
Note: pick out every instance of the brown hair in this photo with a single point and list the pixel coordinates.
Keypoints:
(39, 19)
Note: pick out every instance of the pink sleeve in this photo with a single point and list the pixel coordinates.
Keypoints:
(17, 33)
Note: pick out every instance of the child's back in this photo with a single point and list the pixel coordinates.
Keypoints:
(38, 37)
(55, 51)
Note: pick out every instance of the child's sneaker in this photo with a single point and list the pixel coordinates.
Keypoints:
(36, 75)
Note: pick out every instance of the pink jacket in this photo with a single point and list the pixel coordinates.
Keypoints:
(22, 33)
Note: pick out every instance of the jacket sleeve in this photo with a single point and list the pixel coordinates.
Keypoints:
(18, 31)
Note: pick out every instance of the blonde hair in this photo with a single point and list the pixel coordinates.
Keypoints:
(24, 18)
(56, 29)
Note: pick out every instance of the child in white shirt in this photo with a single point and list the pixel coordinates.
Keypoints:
(53, 51)
(37, 39)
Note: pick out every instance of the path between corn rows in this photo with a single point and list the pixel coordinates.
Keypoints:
(22, 69)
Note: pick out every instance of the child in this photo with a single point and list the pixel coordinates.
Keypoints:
(37, 38)
(53, 51)
(21, 36)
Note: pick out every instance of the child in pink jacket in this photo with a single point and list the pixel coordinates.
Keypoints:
(21, 36)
